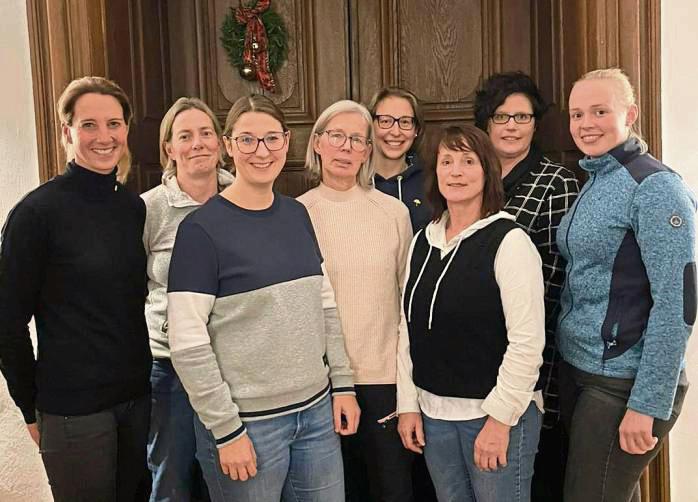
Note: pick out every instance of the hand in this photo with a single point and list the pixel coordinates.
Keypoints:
(238, 459)
(347, 407)
(636, 433)
(411, 431)
(34, 432)
(491, 445)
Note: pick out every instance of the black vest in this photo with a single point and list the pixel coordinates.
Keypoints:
(460, 355)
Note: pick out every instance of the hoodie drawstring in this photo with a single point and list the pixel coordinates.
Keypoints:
(399, 187)
(414, 288)
(438, 282)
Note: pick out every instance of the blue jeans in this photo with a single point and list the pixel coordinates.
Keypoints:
(298, 460)
(171, 441)
(449, 453)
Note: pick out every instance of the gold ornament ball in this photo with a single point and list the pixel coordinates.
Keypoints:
(247, 72)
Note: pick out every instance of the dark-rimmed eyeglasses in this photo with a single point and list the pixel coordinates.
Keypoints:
(519, 118)
(274, 141)
(406, 122)
(338, 139)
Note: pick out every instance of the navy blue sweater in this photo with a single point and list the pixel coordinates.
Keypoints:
(72, 257)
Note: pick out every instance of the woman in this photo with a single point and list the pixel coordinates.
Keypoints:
(254, 332)
(475, 314)
(190, 155)
(363, 236)
(538, 193)
(398, 124)
(72, 257)
(629, 302)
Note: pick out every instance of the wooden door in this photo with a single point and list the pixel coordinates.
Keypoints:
(159, 50)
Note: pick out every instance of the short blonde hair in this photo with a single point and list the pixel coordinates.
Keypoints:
(313, 163)
(624, 92)
(169, 166)
(94, 85)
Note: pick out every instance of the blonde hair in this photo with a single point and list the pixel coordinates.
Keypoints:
(169, 166)
(65, 107)
(313, 162)
(624, 93)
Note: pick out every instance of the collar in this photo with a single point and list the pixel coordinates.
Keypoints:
(621, 154)
(90, 182)
(413, 167)
(340, 195)
(178, 198)
(516, 175)
(435, 232)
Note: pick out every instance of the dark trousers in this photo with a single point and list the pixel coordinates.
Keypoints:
(549, 470)
(592, 408)
(97, 457)
(377, 468)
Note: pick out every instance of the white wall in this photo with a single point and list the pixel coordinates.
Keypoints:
(22, 476)
(679, 137)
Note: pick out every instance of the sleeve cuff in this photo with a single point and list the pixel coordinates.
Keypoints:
(661, 413)
(29, 416)
(228, 432)
(498, 409)
(342, 384)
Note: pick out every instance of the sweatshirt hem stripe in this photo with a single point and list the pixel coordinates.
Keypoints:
(286, 409)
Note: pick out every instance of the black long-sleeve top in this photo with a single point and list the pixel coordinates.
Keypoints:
(72, 257)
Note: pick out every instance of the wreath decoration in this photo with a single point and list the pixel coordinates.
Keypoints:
(256, 42)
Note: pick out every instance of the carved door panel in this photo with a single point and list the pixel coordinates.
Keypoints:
(440, 50)
(161, 50)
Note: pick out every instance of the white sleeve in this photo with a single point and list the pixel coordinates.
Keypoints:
(407, 399)
(518, 273)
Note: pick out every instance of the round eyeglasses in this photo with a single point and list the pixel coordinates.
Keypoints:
(519, 118)
(274, 141)
(338, 139)
(406, 122)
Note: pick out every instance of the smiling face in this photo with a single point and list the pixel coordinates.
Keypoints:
(460, 176)
(261, 167)
(393, 143)
(598, 120)
(98, 133)
(512, 140)
(340, 165)
(194, 146)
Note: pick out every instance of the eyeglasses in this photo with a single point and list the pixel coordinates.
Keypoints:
(405, 122)
(519, 118)
(274, 141)
(338, 139)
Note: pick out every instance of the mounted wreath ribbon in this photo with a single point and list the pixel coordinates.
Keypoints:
(256, 42)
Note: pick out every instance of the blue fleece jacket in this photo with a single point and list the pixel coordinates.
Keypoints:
(629, 301)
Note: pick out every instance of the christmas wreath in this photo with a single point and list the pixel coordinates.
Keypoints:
(256, 42)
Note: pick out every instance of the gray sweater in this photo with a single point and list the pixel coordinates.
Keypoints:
(166, 207)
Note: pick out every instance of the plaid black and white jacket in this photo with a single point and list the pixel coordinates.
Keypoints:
(539, 193)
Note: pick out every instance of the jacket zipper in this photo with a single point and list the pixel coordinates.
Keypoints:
(567, 244)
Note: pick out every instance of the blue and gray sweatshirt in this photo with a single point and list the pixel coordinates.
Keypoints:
(253, 325)
(629, 303)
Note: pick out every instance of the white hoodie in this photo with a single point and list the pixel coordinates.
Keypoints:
(517, 269)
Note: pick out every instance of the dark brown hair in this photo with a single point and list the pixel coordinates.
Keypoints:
(464, 138)
(253, 103)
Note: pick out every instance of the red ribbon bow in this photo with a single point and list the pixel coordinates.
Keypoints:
(258, 60)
